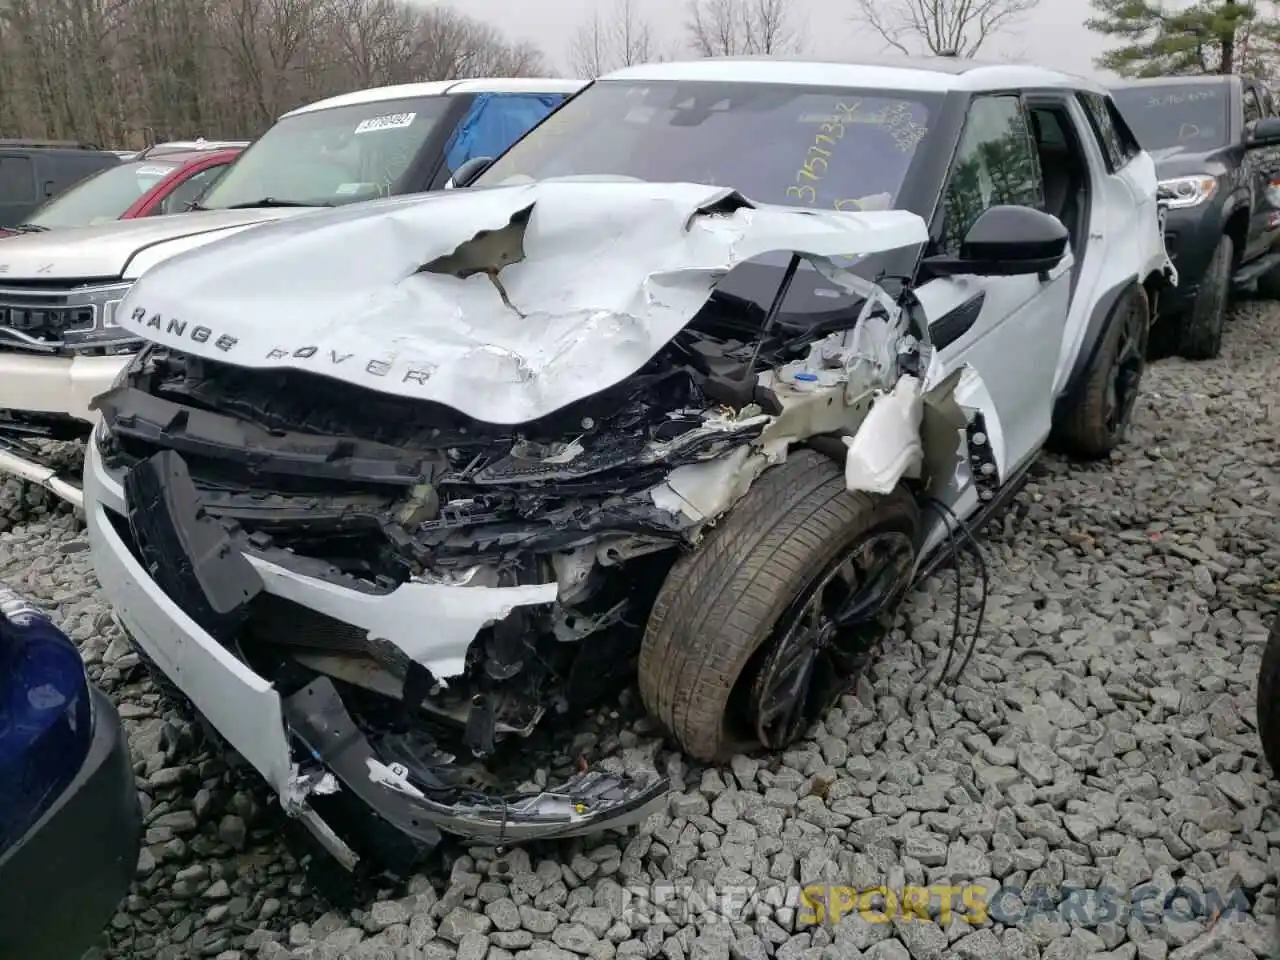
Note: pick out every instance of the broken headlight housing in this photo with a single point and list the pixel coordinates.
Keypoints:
(1178, 193)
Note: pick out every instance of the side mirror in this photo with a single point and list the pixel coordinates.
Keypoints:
(1265, 133)
(1006, 241)
(466, 174)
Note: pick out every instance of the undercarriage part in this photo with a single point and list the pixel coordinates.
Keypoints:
(478, 736)
(22, 460)
(419, 794)
(731, 657)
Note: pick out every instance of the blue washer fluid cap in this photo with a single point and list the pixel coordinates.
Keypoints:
(807, 377)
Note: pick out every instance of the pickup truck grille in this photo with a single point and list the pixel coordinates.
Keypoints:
(45, 319)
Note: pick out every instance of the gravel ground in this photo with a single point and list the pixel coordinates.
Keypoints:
(1102, 738)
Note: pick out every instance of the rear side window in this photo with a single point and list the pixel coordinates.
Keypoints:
(1118, 143)
(17, 179)
(494, 122)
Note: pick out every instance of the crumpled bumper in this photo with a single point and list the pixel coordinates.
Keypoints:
(307, 744)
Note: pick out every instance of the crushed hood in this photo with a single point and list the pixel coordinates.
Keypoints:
(505, 304)
(106, 250)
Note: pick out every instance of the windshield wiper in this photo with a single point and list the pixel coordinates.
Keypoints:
(29, 228)
(274, 202)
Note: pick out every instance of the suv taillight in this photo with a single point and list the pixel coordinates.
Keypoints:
(46, 715)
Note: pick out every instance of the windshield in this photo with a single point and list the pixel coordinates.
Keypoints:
(1193, 117)
(102, 197)
(328, 157)
(831, 149)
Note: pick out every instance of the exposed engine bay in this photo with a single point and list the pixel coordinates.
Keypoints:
(371, 491)
(584, 509)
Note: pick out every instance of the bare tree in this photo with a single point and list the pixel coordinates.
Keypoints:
(622, 39)
(727, 28)
(944, 28)
(125, 73)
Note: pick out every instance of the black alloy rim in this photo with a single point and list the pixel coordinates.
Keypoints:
(820, 641)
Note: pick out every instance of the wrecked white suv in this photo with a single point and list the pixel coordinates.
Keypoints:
(697, 375)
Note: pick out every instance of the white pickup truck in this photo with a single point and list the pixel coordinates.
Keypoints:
(60, 345)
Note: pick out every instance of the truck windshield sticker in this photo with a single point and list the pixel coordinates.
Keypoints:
(392, 121)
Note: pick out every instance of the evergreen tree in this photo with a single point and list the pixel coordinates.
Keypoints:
(1211, 36)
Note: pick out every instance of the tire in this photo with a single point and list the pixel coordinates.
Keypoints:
(1269, 284)
(1269, 699)
(1095, 422)
(710, 637)
(1199, 334)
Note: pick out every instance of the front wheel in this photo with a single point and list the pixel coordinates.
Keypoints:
(758, 631)
(1200, 328)
(1269, 284)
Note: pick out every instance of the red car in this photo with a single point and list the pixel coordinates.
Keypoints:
(147, 187)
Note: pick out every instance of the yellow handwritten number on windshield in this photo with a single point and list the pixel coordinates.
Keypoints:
(817, 159)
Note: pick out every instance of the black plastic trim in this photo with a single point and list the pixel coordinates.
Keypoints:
(63, 880)
(1103, 312)
(955, 323)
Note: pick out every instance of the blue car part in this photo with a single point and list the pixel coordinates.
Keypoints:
(496, 121)
(46, 715)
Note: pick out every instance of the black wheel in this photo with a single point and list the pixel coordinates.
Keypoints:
(1269, 284)
(1199, 335)
(757, 632)
(1094, 423)
(1268, 694)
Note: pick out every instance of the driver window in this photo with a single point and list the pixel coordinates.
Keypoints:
(995, 165)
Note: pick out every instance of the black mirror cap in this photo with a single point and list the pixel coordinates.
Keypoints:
(470, 171)
(1007, 241)
(1016, 234)
(1265, 133)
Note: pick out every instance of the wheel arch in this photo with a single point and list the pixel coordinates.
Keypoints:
(1104, 312)
(1236, 226)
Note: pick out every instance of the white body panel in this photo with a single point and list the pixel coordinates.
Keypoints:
(111, 251)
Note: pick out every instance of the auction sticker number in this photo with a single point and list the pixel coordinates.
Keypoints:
(1174, 99)
(392, 121)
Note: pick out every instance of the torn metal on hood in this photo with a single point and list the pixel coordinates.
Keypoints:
(565, 289)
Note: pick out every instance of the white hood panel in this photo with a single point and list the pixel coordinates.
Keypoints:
(599, 275)
(105, 251)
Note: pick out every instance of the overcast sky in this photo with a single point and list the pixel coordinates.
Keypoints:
(1052, 35)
